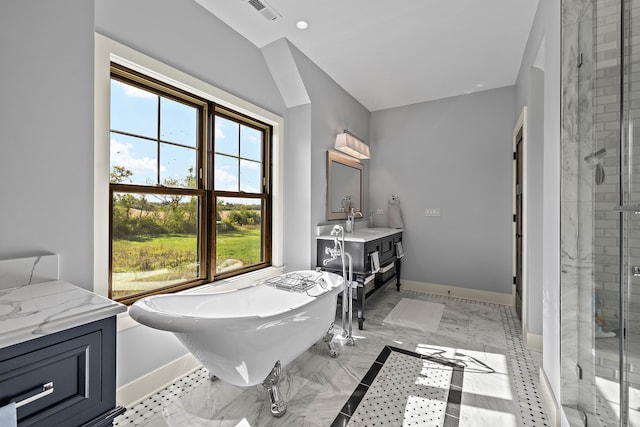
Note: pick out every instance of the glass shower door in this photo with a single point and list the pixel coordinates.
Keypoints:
(600, 278)
(628, 293)
(630, 287)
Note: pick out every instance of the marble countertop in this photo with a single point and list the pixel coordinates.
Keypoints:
(361, 234)
(31, 311)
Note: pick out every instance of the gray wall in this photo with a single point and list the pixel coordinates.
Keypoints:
(545, 33)
(535, 200)
(186, 36)
(46, 146)
(453, 154)
(332, 110)
(311, 128)
(297, 187)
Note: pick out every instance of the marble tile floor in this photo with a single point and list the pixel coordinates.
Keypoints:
(500, 384)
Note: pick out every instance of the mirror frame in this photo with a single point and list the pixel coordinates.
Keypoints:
(334, 156)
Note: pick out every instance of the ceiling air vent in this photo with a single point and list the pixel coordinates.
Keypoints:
(266, 10)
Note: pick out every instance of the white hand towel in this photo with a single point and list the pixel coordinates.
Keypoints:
(375, 262)
(399, 251)
(395, 217)
(8, 415)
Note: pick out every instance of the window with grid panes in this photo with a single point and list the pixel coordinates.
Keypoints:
(189, 184)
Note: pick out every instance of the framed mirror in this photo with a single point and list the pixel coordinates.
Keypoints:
(344, 185)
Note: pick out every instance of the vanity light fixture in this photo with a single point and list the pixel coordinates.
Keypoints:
(352, 145)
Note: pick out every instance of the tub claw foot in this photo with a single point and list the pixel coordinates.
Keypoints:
(278, 406)
(328, 338)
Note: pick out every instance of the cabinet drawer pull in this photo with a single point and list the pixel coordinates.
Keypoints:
(42, 391)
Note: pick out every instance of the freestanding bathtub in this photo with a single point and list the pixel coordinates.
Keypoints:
(246, 336)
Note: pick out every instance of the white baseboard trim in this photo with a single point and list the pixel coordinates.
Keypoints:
(533, 341)
(139, 389)
(454, 291)
(551, 406)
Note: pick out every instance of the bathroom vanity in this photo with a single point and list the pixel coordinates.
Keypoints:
(57, 355)
(363, 244)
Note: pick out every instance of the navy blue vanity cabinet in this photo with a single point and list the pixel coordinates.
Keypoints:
(361, 249)
(63, 379)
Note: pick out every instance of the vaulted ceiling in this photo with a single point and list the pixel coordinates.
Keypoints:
(388, 54)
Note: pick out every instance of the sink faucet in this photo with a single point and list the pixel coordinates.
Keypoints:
(351, 220)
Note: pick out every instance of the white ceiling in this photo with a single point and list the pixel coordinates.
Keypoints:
(392, 53)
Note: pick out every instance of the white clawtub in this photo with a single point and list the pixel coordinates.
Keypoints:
(245, 336)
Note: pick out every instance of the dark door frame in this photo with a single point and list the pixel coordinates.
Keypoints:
(519, 238)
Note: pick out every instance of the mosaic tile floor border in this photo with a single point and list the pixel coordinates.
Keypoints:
(524, 372)
(449, 417)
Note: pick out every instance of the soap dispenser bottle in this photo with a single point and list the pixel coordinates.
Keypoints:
(371, 220)
(349, 224)
(351, 221)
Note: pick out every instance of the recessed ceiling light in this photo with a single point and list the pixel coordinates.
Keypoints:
(302, 25)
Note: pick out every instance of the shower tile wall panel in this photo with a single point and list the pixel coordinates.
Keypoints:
(577, 231)
(606, 132)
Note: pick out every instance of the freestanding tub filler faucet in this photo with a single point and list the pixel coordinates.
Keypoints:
(347, 292)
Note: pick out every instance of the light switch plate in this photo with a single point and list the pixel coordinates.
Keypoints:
(432, 212)
(379, 211)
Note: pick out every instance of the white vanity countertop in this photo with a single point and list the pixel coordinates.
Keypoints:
(362, 234)
(32, 311)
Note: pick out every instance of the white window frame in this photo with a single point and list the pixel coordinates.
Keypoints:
(108, 51)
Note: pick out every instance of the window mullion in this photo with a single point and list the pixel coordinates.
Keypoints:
(158, 160)
(239, 161)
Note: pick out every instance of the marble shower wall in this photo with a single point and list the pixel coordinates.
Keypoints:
(577, 208)
(606, 133)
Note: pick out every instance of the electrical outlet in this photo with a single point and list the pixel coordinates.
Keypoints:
(432, 212)
(379, 211)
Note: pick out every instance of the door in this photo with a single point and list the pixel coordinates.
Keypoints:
(518, 220)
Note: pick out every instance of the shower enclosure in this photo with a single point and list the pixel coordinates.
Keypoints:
(600, 214)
